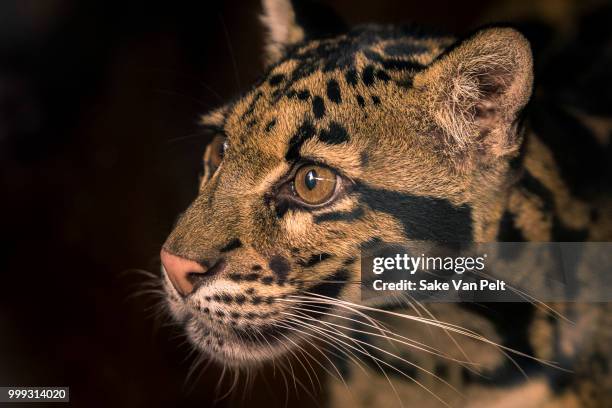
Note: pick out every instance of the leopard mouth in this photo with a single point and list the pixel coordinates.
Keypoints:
(245, 327)
(232, 333)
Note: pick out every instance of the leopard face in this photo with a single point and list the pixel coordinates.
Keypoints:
(374, 134)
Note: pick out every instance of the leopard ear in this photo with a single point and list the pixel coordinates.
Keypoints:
(477, 90)
(292, 21)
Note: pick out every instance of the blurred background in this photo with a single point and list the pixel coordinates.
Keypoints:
(99, 152)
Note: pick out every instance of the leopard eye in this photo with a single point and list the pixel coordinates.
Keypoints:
(217, 150)
(315, 185)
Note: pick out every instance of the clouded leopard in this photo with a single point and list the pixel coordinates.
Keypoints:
(388, 134)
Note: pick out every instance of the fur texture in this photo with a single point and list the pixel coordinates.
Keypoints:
(426, 135)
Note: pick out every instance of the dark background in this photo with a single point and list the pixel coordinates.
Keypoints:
(99, 151)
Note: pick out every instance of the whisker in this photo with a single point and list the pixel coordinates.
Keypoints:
(418, 383)
(348, 353)
(451, 327)
(360, 349)
(402, 339)
(338, 375)
(302, 351)
(418, 367)
(282, 367)
(295, 378)
(538, 303)
(449, 335)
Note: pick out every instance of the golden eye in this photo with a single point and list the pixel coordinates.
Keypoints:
(314, 184)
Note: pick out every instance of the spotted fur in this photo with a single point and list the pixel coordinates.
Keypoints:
(432, 140)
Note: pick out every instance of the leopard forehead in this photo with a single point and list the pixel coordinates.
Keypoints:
(328, 89)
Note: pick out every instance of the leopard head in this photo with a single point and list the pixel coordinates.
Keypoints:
(377, 133)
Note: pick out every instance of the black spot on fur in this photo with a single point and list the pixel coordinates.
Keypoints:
(276, 79)
(405, 83)
(333, 91)
(240, 299)
(267, 280)
(382, 75)
(276, 94)
(280, 266)
(318, 107)
(256, 268)
(351, 77)
(303, 95)
(360, 101)
(562, 233)
(423, 218)
(227, 299)
(333, 284)
(336, 134)
(314, 260)
(364, 158)
(392, 63)
(367, 76)
(375, 100)
(371, 243)
(236, 277)
(233, 244)
(508, 231)
(304, 132)
(349, 261)
(251, 106)
(351, 215)
(251, 277)
(535, 186)
(270, 125)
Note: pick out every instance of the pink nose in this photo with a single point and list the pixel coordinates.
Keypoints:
(184, 274)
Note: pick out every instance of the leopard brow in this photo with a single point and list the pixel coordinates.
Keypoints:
(316, 156)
